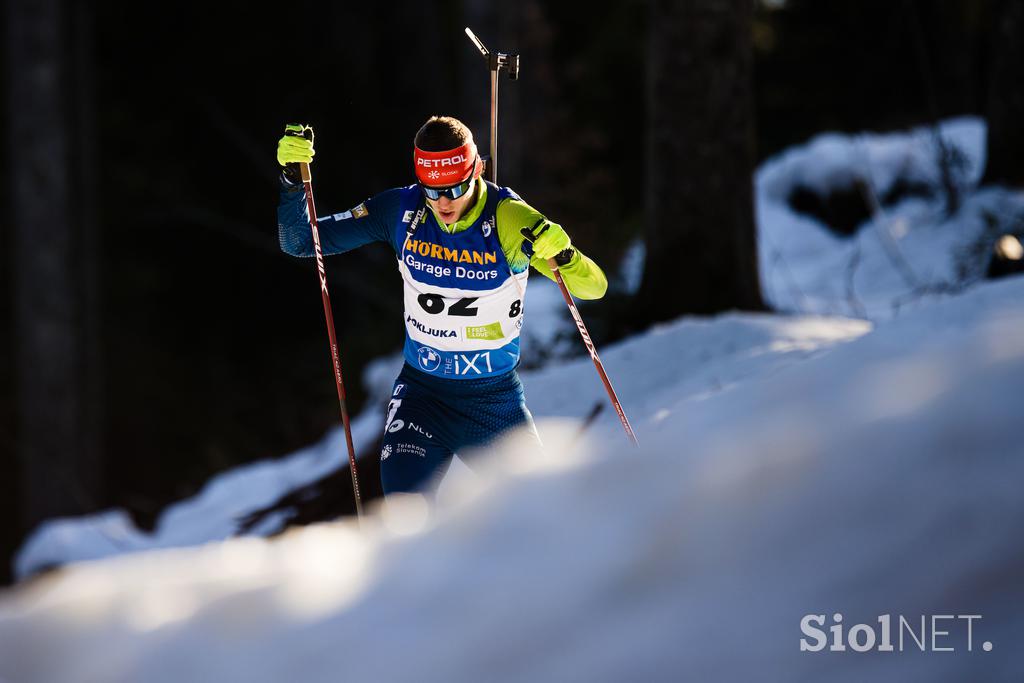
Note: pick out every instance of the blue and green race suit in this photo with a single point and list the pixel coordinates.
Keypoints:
(464, 287)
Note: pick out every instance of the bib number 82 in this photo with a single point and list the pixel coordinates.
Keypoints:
(434, 305)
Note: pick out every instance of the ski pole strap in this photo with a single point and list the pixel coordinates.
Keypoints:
(562, 258)
(529, 233)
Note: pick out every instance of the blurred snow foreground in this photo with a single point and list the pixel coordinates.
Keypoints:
(880, 474)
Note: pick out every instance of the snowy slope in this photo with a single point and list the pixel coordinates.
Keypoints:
(804, 268)
(879, 477)
(705, 356)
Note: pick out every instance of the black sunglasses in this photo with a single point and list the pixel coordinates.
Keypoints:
(453, 192)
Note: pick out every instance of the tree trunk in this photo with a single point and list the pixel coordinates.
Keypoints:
(700, 236)
(53, 257)
(1005, 144)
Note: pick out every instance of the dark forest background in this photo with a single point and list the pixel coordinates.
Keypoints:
(197, 345)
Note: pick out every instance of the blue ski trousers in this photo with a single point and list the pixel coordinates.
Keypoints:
(430, 419)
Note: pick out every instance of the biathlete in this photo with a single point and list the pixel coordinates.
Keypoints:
(464, 262)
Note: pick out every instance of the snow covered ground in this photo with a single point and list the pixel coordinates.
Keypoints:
(789, 465)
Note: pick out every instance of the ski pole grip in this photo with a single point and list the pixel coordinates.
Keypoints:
(307, 132)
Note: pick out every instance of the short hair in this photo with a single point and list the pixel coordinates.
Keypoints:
(442, 133)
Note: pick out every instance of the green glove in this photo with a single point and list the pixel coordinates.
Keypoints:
(296, 146)
(550, 241)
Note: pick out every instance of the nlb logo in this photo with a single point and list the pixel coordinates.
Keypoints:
(457, 160)
(416, 428)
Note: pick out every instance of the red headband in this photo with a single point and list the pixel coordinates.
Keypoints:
(440, 169)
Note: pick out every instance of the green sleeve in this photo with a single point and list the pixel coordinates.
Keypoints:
(583, 277)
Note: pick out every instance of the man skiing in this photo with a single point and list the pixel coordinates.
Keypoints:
(464, 261)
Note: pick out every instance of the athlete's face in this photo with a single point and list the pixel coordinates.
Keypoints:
(451, 210)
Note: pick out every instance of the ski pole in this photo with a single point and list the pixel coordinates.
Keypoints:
(589, 343)
(495, 62)
(307, 183)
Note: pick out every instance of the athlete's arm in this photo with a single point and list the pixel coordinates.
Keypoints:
(583, 277)
(371, 221)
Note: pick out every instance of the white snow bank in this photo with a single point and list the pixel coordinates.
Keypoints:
(833, 161)
(881, 477)
(901, 256)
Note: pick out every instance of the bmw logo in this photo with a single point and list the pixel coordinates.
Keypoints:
(430, 360)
